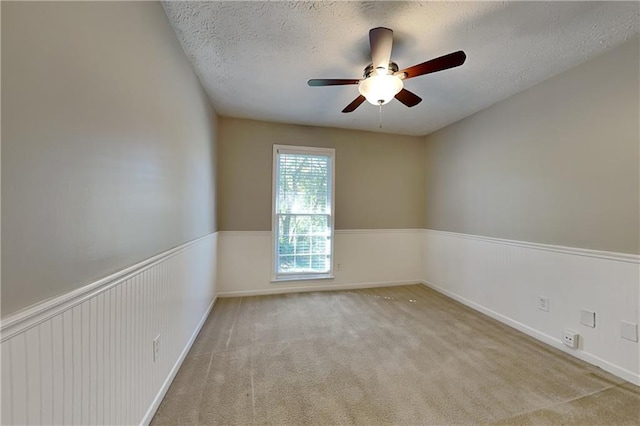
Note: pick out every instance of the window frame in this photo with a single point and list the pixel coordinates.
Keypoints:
(304, 150)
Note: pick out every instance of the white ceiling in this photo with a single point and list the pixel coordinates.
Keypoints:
(254, 58)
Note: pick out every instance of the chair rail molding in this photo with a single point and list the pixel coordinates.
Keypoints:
(86, 357)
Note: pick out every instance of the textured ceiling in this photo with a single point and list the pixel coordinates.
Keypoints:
(254, 58)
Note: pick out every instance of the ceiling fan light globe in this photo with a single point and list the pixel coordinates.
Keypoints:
(381, 71)
(380, 89)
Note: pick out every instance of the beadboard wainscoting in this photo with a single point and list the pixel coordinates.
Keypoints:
(367, 258)
(503, 279)
(86, 357)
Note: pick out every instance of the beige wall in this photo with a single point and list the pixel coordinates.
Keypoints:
(556, 164)
(379, 177)
(108, 145)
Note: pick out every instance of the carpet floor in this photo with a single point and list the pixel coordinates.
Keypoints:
(395, 355)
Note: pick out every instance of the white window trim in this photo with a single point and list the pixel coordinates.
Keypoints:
(291, 149)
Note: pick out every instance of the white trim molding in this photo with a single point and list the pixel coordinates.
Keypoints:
(33, 315)
(87, 357)
(543, 337)
(316, 287)
(245, 233)
(172, 374)
(362, 258)
(337, 231)
(276, 213)
(379, 231)
(504, 279)
(609, 255)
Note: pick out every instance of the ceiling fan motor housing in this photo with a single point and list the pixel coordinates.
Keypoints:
(370, 70)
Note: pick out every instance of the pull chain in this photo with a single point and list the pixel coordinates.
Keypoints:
(380, 103)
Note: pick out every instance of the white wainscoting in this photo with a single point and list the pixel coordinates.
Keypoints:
(503, 279)
(369, 258)
(86, 357)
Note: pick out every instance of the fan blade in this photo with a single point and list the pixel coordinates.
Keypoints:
(408, 98)
(438, 64)
(331, 82)
(381, 42)
(355, 104)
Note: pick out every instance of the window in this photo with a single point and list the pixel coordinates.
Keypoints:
(302, 225)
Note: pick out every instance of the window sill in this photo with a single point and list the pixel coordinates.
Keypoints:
(302, 278)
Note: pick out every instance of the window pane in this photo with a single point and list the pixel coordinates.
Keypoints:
(303, 210)
(303, 184)
(286, 263)
(303, 243)
(320, 262)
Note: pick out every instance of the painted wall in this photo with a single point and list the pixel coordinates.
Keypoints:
(542, 192)
(379, 177)
(504, 278)
(87, 358)
(362, 258)
(109, 145)
(555, 164)
(108, 193)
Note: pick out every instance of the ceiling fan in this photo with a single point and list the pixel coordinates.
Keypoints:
(382, 80)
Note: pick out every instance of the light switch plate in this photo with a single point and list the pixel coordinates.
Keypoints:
(588, 318)
(629, 331)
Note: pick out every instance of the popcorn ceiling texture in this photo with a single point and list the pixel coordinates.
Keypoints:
(254, 58)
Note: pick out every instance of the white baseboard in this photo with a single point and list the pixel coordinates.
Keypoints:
(362, 257)
(326, 287)
(176, 367)
(86, 357)
(545, 338)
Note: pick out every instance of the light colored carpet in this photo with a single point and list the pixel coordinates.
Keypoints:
(396, 355)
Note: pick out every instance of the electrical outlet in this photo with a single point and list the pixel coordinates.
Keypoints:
(338, 266)
(156, 348)
(570, 338)
(543, 303)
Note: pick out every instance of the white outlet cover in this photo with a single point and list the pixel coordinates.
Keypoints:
(543, 303)
(156, 348)
(588, 318)
(629, 331)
